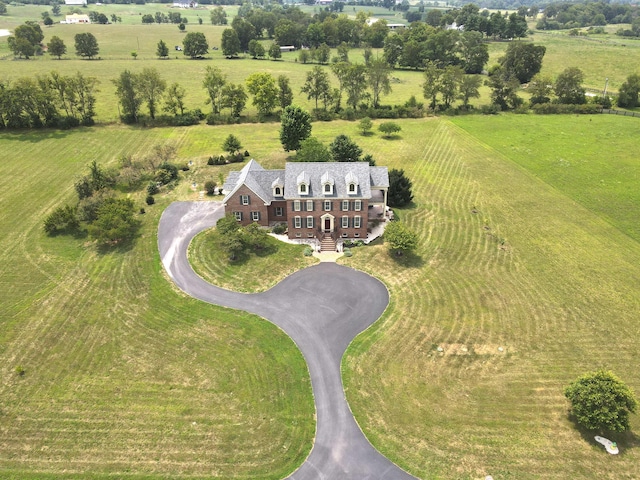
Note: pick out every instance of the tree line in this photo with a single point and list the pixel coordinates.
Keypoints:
(568, 15)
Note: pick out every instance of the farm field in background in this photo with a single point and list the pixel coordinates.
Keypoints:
(598, 56)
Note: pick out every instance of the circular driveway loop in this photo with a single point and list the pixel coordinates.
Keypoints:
(322, 308)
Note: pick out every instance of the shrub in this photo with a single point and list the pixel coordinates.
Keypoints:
(492, 109)
(212, 161)
(152, 188)
(210, 187)
(308, 251)
(246, 153)
(150, 200)
(142, 211)
(62, 219)
(279, 229)
(347, 252)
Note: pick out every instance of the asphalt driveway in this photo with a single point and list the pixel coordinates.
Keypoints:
(322, 308)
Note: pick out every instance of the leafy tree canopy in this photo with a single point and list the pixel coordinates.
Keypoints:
(195, 44)
(399, 193)
(295, 127)
(343, 149)
(312, 150)
(601, 401)
(400, 238)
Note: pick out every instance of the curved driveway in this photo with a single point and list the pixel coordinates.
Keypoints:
(322, 308)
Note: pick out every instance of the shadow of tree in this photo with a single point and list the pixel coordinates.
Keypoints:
(625, 440)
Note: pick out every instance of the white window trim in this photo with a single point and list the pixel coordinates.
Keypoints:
(344, 220)
(275, 191)
(357, 221)
(342, 205)
(255, 216)
(327, 191)
(357, 205)
(244, 199)
(279, 212)
(309, 205)
(353, 188)
(296, 205)
(297, 222)
(238, 216)
(306, 189)
(309, 222)
(327, 203)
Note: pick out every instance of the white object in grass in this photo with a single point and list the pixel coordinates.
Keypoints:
(610, 446)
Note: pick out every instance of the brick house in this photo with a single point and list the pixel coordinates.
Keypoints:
(316, 200)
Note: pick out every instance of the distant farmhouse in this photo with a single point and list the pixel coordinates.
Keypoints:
(334, 200)
(76, 18)
(390, 26)
(76, 3)
(185, 4)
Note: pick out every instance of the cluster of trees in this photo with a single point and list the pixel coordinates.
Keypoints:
(629, 92)
(419, 44)
(100, 211)
(634, 31)
(52, 100)
(27, 41)
(160, 17)
(492, 25)
(568, 15)
(235, 240)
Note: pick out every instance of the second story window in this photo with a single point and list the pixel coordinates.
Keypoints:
(244, 199)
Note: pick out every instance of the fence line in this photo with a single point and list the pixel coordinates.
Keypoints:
(620, 112)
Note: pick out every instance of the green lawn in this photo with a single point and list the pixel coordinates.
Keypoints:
(251, 272)
(125, 376)
(119, 365)
(523, 295)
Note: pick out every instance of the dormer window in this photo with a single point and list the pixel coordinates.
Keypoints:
(303, 184)
(352, 183)
(278, 188)
(327, 184)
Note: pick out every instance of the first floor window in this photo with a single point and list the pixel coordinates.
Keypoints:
(345, 222)
(255, 216)
(297, 222)
(278, 211)
(309, 222)
(356, 222)
(238, 216)
(244, 199)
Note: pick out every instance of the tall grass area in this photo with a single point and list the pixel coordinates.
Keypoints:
(521, 282)
(124, 377)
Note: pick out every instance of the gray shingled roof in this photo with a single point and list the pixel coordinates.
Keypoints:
(261, 181)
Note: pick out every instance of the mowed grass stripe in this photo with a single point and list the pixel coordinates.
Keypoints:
(466, 415)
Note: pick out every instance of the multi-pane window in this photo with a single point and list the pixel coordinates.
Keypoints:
(345, 205)
(357, 221)
(277, 191)
(244, 199)
(309, 222)
(296, 205)
(357, 205)
(279, 211)
(352, 188)
(297, 222)
(327, 205)
(303, 188)
(345, 222)
(309, 205)
(238, 216)
(255, 216)
(327, 188)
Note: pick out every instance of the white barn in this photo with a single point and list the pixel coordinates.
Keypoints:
(76, 2)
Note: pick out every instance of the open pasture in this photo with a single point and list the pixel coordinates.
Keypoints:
(522, 280)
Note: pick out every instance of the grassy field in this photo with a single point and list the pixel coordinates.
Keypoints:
(250, 273)
(124, 376)
(598, 56)
(536, 287)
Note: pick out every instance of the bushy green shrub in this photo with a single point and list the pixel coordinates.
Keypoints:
(308, 251)
(279, 229)
(152, 188)
(347, 252)
(150, 200)
(61, 220)
(210, 187)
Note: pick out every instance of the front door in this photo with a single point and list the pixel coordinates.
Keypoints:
(327, 224)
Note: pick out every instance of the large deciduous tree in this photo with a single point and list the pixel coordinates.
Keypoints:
(285, 94)
(317, 86)
(629, 92)
(115, 222)
(128, 92)
(174, 99)
(234, 98)
(56, 47)
(162, 51)
(343, 149)
(230, 43)
(600, 401)
(295, 127)
(522, 60)
(400, 238)
(377, 74)
(151, 86)
(264, 90)
(86, 45)
(568, 87)
(195, 45)
(213, 82)
(312, 150)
